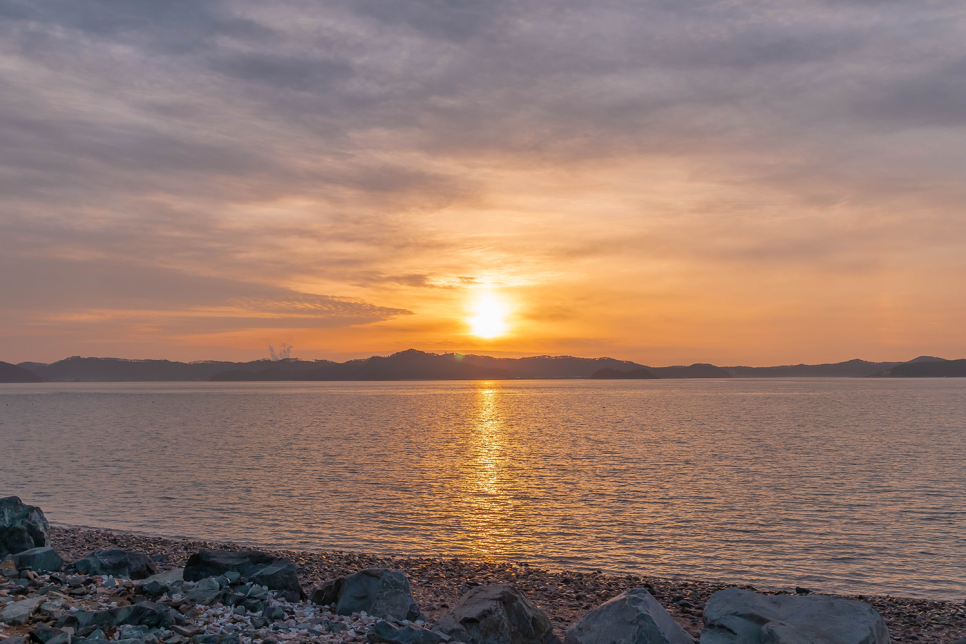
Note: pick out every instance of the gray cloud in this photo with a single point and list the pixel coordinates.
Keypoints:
(175, 135)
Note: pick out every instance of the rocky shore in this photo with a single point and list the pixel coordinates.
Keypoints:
(437, 587)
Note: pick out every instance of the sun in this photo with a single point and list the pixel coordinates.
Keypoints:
(489, 317)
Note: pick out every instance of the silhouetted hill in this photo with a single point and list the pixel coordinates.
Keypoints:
(850, 369)
(419, 365)
(699, 370)
(15, 373)
(614, 374)
(79, 369)
(549, 366)
(928, 369)
(405, 365)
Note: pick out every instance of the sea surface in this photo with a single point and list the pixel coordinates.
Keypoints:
(838, 485)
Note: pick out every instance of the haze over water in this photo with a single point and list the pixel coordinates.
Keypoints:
(852, 486)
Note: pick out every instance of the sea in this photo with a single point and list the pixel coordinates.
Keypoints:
(851, 486)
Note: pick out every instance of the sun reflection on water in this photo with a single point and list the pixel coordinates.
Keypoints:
(487, 496)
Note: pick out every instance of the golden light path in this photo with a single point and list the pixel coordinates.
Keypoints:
(489, 316)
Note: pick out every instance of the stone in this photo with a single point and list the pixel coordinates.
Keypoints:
(43, 559)
(633, 617)
(44, 633)
(18, 613)
(8, 568)
(212, 563)
(141, 614)
(498, 614)
(62, 638)
(14, 540)
(166, 578)
(279, 575)
(328, 593)
(22, 526)
(116, 563)
(736, 616)
(383, 631)
(380, 592)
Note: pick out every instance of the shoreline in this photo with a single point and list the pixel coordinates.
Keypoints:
(565, 595)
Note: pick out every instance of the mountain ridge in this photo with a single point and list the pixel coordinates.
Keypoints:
(420, 365)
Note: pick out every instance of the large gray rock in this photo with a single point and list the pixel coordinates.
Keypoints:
(498, 614)
(735, 616)
(380, 592)
(212, 563)
(259, 567)
(20, 612)
(116, 563)
(634, 617)
(22, 526)
(328, 593)
(141, 614)
(279, 575)
(38, 559)
(383, 631)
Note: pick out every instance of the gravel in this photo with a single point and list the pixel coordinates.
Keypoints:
(437, 585)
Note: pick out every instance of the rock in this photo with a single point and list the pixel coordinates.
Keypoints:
(381, 592)
(633, 617)
(15, 640)
(116, 563)
(735, 616)
(206, 592)
(212, 563)
(43, 559)
(498, 614)
(142, 614)
(44, 633)
(328, 593)
(383, 631)
(279, 575)
(18, 613)
(62, 638)
(22, 526)
(8, 568)
(166, 578)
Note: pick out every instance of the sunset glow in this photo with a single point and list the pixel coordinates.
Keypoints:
(489, 317)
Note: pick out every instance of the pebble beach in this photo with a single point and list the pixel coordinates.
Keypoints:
(438, 583)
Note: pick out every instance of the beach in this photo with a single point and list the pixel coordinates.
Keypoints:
(565, 595)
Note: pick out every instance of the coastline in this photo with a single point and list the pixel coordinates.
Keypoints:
(565, 595)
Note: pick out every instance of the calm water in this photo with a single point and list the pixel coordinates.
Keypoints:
(840, 485)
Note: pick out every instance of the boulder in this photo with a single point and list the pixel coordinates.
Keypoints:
(383, 631)
(380, 592)
(328, 593)
(212, 563)
(633, 617)
(43, 559)
(141, 614)
(735, 616)
(22, 526)
(279, 575)
(18, 613)
(498, 614)
(116, 563)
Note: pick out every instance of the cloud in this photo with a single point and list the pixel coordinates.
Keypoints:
(378, 150)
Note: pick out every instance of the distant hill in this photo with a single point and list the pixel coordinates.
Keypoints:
(928, 369)
(419, 365)
(79, 369)
(699, 370)
(850, 369)
(614, 374)
(405, 365)
(14, 373)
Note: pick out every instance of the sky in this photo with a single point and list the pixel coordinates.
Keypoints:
(669, 182)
